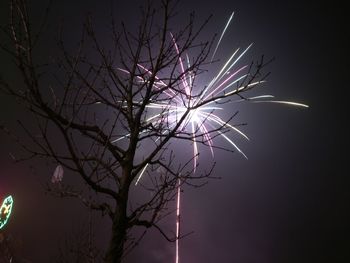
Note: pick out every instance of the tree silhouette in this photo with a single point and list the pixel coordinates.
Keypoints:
(93, 113)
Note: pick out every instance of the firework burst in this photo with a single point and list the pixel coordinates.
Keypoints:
(202, 108)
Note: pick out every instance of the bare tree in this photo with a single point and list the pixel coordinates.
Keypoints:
(108, 113)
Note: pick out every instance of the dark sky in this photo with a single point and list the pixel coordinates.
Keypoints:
(289, 202)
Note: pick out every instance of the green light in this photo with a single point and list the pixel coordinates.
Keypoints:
(5, 210)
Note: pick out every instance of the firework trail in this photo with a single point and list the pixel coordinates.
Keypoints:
(222, 35)
(177, 258)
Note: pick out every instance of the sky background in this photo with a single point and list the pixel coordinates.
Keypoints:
(288, 203)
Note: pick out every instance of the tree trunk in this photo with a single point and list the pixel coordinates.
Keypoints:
(119, 226)
(118, 235)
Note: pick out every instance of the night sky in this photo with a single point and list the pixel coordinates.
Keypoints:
(288, 203)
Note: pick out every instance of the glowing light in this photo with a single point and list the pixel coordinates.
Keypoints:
(199, 118)
(5, 211)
